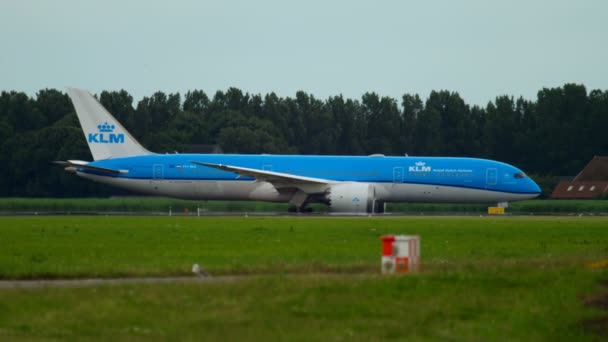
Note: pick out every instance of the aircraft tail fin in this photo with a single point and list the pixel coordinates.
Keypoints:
(106, 137)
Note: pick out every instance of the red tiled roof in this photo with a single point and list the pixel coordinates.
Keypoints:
(591, 182)
(595, 170)
(580, 189)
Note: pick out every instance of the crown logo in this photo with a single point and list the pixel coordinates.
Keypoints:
(105, 127)
(420, 163)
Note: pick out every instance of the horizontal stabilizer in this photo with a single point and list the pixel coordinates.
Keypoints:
(79, 164)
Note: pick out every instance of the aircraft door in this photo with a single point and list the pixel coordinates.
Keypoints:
(398, 175)
(157, 171)
(158, 174)
(491, 176)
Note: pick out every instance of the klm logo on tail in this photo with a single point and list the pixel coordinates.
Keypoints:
(105, 135)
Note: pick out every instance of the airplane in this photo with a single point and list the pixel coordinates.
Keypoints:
(346, 184)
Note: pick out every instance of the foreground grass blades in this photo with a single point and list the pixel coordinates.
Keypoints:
(489, 305)
(52, 247)
(484, 278)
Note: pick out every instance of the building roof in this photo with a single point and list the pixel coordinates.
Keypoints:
(596, 170)
(580, 190)
(591, 182)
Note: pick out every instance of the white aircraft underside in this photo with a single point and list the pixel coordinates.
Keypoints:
(264, 191)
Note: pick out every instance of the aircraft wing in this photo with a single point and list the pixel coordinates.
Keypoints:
(278, 179)
(73, 165)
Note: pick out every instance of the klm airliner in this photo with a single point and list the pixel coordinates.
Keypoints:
(346, 184)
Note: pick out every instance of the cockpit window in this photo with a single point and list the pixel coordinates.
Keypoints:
(520, 175)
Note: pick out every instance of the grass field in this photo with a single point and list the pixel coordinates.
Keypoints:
(163, 205)
(303, 278)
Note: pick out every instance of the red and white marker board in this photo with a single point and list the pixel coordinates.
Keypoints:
(400, 253)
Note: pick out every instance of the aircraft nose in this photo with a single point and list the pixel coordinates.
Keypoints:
(534, 188)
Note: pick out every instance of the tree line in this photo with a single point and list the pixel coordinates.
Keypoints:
(555, 134)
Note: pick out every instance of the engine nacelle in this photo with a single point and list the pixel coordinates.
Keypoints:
(351, 198)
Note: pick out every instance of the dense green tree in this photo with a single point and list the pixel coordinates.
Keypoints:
(120, 104)
(478, 120)
(275, 110)
(561, 113)
(153, 115)
(555, 134)
(455, 125)
(344, 125)
(196, 102)
(412, 107)
(383, 122)
(428, 132)
(253, 135)
(501, 128)
(20, 112)
(298, 110)
(525, 147)
(52, 105)
(598, 118)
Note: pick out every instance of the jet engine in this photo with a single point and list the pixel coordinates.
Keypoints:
(351, 198)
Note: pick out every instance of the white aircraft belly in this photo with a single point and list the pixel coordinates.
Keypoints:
(263, 191)
(405, 192)
(196, 189)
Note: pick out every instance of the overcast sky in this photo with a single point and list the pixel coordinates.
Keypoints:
(479, 48)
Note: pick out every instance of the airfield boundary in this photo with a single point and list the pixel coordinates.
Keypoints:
(307, 278)
(162, 206)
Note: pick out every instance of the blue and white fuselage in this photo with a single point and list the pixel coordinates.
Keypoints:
(345, 183)
(399, 179)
